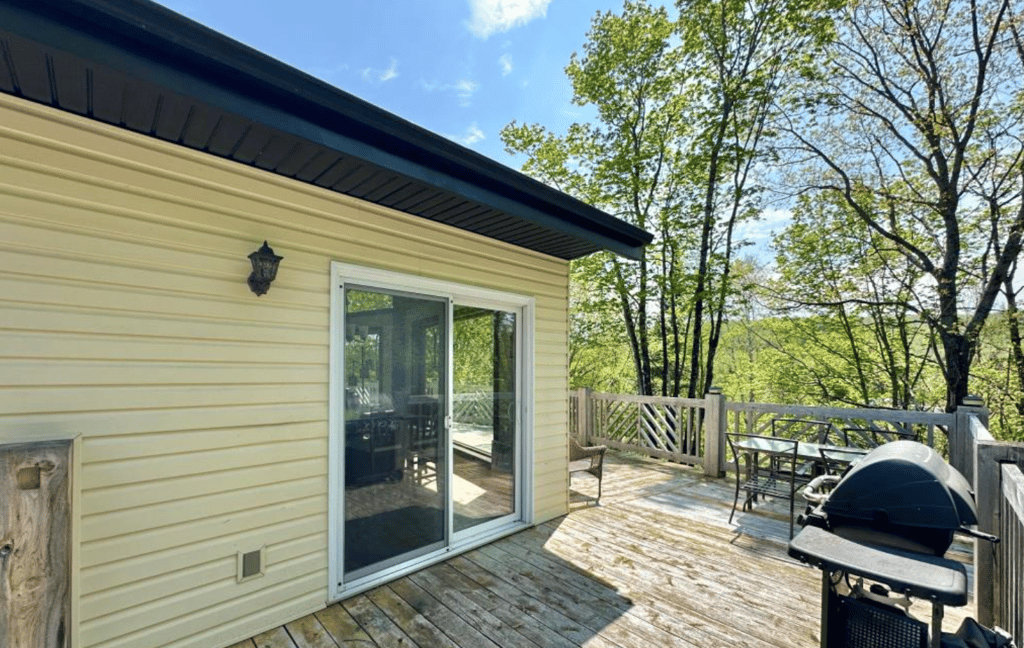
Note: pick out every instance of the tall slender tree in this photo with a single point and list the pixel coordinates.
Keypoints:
(739, 55)
(626, 162)
(677, 148)
(913, 105)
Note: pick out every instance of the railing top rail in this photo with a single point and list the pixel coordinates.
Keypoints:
(900, 416)
(654, 400)
(978, 430)
(1013, 489)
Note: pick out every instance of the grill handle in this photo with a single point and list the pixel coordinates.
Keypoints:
(980, 535)
(818, 489)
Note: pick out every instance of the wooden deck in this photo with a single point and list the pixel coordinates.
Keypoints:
(656, 564)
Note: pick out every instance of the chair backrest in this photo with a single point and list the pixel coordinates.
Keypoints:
(833, 465)
(575, 450)
(860, 437)
(810, 430)
(747, 444)
(885, 436)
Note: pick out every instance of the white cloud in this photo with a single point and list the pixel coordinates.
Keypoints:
(377, 77)
(759, 232)
(497, 16)
(506, 64)
(463, 89)
(472, 135)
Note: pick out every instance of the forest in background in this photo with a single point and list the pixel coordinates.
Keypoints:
(889, 132)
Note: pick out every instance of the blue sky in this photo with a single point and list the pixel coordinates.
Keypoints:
(460, 68)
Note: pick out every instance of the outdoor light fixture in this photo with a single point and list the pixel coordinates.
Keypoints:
(264, 269)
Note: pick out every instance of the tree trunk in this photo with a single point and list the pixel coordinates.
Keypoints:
(958, 351)
(1016, 344)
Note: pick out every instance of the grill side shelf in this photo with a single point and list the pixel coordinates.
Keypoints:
(920, 575)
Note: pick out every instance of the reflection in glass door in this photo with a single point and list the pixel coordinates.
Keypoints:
(483, 416)
(395, 367)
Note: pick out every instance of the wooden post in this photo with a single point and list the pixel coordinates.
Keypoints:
(35, 545)
(640, 438)
(965, 434)
(714, 432)
(988, 497)
(584, 426)
(961, 445)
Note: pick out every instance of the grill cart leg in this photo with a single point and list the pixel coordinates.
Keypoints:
(826, 605)
(937, 612)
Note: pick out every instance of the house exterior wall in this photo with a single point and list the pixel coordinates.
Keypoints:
(201, 410)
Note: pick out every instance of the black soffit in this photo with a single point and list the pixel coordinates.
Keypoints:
(135, 64)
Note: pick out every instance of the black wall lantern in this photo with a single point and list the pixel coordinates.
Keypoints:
(264, 269)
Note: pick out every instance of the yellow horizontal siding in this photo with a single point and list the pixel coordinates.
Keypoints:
(229, 513)
(111, 578)
(33, 372)
(203, 409)
(23, 400)
(207, 607)
(65, 319)
(223, 569)
(146, 470)
(102, 449)
(108, 504)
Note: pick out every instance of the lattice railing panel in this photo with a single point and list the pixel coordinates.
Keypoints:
(667, 428)
(854, 426)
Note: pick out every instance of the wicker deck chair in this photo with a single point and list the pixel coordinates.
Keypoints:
(596, 466)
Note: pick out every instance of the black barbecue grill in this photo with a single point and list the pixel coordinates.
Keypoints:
(889, 520)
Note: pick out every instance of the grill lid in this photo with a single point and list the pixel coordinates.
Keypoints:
(903, 489)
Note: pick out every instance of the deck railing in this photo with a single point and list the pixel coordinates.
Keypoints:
(664, 428)
(999, 491)
(691, 431)
(860, 425)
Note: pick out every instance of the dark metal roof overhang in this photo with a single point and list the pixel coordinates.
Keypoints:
(137, 65)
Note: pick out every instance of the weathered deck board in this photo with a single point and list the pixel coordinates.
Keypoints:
(656, 564)
(343, 628)
(308, 632)
(276, 638)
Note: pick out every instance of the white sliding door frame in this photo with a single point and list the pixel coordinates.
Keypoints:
(524, 306)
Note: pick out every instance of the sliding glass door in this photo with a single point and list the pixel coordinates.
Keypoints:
(427, 427)
(484, 420)
(395, 443)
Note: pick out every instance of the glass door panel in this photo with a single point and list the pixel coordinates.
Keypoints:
(484, 417)
(395, 364)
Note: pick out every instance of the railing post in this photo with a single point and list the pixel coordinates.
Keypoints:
(961, 445)
(988, 579)
(962, 441)
(583, 415)
(714, 432)
(987, 493)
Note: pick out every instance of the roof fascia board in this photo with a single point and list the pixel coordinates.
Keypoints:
(61, 36)
(199, 43)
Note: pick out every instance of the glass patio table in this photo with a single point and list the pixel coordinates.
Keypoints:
(791, 464)
(780, 447)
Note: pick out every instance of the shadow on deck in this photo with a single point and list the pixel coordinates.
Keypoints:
(656, 564)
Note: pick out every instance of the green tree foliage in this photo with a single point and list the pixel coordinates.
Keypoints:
(626, 163)
(681, 113)
(473, 345)
(852, 294)
(913, 121)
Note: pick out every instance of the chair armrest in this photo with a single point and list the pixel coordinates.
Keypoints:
(577, 452)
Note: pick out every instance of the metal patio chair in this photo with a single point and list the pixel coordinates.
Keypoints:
(765, 466)
(595, 466)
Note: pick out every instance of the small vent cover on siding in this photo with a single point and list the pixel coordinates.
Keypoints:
(250, 564)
